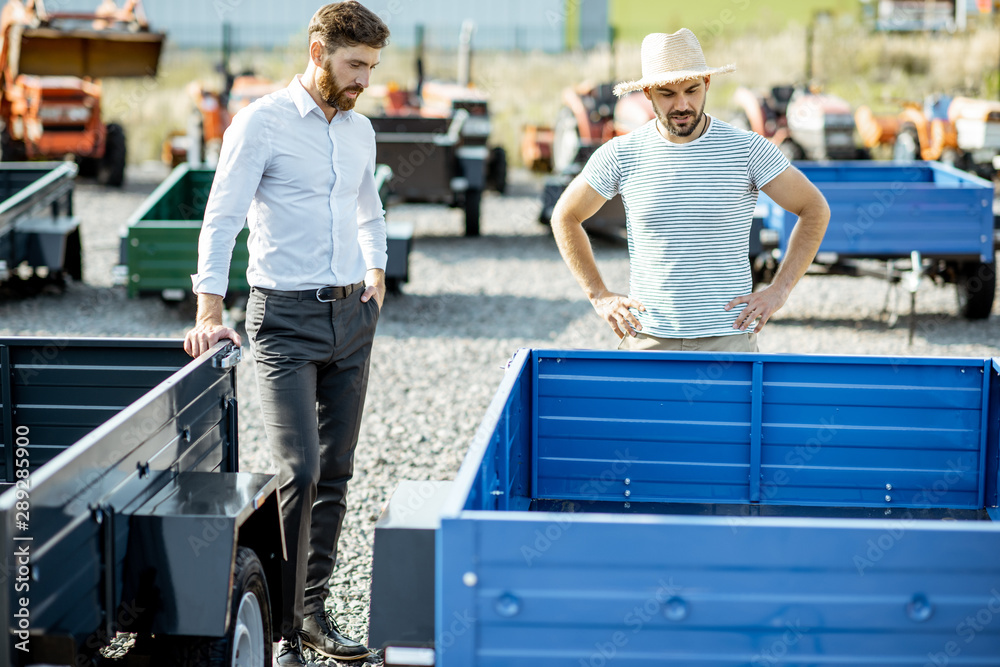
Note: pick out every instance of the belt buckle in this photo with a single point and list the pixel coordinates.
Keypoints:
(321, 299)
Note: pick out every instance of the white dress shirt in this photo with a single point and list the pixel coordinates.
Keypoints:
(306, 189)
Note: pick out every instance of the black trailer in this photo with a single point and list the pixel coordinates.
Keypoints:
(434, 161)
(39, 234)
(124, 510)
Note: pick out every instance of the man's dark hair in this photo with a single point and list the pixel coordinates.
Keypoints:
(347, 24)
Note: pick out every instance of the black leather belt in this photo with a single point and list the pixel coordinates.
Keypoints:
(324, 294)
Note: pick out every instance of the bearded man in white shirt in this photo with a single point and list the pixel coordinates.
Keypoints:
(298, 165)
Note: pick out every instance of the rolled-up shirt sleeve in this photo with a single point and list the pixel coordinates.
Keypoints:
(371, 219)
(244, 156)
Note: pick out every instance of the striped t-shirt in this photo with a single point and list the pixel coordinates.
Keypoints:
(689, 208)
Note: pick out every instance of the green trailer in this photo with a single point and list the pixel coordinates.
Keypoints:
(159, 247)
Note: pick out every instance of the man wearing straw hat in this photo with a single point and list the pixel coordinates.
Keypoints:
(689, 183)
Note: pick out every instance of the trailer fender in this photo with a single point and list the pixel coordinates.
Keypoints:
(182, 549)
(258, 532)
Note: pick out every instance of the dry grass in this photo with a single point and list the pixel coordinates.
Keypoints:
(524, 88)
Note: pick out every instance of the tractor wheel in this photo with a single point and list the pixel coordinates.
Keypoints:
(111, 169)
(792, 150)
(565, 142)
(247, 643)
(976, 284)
(496, 169)
(907, 146)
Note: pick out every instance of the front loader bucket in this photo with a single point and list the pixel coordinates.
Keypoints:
(86, 53)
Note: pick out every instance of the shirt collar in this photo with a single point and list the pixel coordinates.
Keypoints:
(304, 102)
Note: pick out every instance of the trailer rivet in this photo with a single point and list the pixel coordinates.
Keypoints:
(888, 487)
(507, 605)
(888, 498)
(627, 493)
(919, 608)
(627, 481)
(675, 609)
(470, 579)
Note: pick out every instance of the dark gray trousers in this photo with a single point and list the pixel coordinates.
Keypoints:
(312, 363)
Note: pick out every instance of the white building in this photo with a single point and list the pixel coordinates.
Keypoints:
(548, 25)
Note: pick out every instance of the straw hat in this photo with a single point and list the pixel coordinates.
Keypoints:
(670, 59)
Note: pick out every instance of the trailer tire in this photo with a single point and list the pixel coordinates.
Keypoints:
(87, 167)
(111, 169)
(792, 150)
(496, 169)
(472, 203)
(976, 285)
(248, 639)
(11, 150)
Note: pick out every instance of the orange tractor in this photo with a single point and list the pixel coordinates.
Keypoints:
(212, 115)
(51, 64)
(201, 142)
(590, 116)
(960, 131)
(803, 123)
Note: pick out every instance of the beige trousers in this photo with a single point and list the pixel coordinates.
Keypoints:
(746, 342)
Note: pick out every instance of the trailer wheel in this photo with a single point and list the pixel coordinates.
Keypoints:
(792, 150)
(87, 167)
(907, 146)
(472, 203)
(247, 642)
(10, 149)
(496, 169)
(111, 169)
(976, 285)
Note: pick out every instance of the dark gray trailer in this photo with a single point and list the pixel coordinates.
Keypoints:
(123, 509)
(433, 161)
(37, 227)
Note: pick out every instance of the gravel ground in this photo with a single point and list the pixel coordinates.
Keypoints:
(442, 345)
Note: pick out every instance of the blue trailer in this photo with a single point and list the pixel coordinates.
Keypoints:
(936, 217)
(708, 509)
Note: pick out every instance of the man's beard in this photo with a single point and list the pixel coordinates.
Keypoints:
(334, 96)
(667, 121)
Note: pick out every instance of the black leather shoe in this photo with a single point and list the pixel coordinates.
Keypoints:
(321, 634)
(290, 652)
